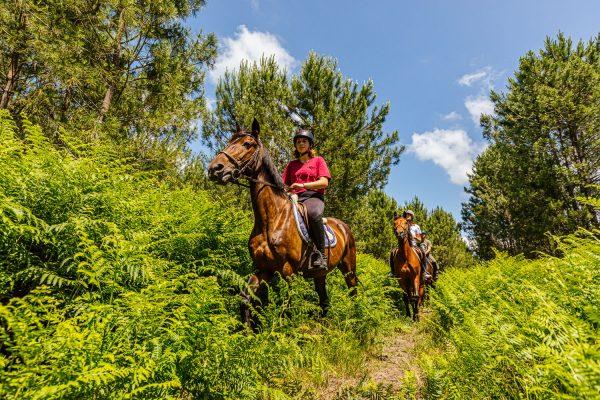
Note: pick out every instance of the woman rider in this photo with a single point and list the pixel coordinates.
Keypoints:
(308, 176)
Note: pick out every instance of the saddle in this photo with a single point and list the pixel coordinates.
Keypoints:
(420, 252)
(301, 217)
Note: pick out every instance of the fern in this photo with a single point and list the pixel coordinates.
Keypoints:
(516, 327)
(116, 283)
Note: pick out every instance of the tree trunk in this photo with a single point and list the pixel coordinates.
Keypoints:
(13, 69)
(116, 64)
(11, 78)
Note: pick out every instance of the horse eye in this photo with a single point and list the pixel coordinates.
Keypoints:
(247, 145)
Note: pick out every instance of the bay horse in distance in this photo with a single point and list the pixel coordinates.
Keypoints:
(406, 264)
(275, 244)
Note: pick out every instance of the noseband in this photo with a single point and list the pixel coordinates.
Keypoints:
(239, 172)
(401, 235)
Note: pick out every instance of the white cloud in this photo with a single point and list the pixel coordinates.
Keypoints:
(452, 150)
(483, 77)
(477, 105)
(483, 80)
(255, 4)
(469, 79)
(452, 116)
(250, 46)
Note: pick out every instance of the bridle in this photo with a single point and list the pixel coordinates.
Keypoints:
(239, 172)
(404, 234)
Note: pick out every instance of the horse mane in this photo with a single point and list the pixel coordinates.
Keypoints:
(267, 164)
(272, 171)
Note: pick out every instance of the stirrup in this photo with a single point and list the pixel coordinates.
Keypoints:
(425, 276)
(320, 262)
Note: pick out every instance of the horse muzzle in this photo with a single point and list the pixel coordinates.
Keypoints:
(219, 173)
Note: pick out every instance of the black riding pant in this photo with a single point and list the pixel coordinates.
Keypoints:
(315, 207)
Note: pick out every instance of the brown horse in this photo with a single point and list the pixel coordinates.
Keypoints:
(275, 244)
(405, 262)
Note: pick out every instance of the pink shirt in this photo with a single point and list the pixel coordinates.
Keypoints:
(310, 171)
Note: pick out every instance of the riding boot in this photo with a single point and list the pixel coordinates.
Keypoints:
(318, 234)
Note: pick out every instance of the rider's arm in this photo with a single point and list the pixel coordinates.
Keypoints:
(417, 233)
(320, 183)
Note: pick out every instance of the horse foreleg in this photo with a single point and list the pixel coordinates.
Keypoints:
(321, 289)
(253, 288)
(415, 306)
(416, 296)
(406, 303)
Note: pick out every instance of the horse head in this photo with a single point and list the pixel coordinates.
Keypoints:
(401, 226)
(241, 157)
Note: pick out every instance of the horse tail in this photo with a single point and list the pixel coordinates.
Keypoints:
(348, 262)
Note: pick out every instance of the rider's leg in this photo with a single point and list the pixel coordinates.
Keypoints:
(315, 208)
(424, 274)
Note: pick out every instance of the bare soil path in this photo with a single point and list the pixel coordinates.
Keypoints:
(392, 370)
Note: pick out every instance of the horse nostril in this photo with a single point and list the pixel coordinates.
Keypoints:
(217, 167)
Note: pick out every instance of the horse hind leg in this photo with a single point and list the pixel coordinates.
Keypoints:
(321, 288)
(436, 272)
(347, 265)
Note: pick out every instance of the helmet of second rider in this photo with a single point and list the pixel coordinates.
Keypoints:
(406, 213)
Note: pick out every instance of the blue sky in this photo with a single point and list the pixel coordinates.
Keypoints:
(434, 61)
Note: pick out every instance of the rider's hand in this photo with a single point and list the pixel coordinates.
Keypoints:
(297, 186)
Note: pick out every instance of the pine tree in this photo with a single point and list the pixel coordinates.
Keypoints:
(543, 154)
(372, 224)
(129, 70)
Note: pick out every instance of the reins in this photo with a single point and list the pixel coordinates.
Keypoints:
(248, 178)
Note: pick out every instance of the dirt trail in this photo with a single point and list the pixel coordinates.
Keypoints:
(387, 367)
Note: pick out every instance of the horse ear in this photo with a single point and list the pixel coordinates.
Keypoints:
(238, 128)
(255, 128)
(396, 216)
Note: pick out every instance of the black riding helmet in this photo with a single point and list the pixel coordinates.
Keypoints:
(305, 133)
